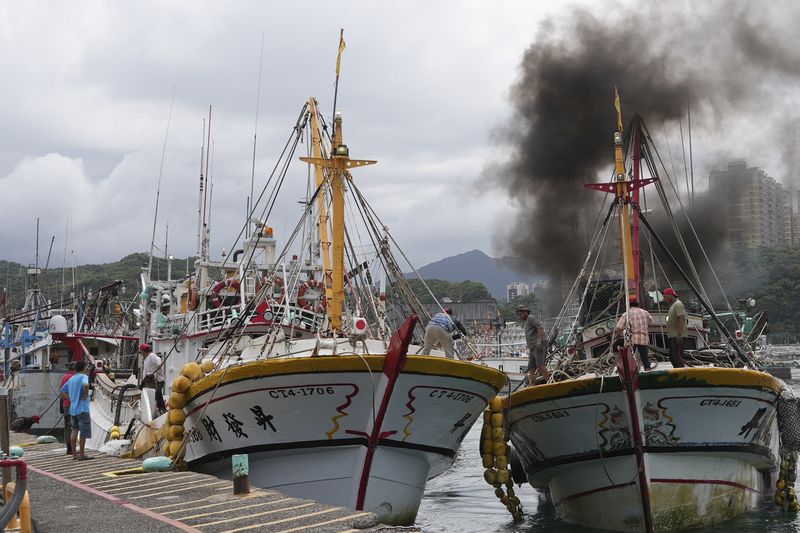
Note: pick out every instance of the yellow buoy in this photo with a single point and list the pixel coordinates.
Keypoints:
(114, 429)
(175, 433)
(176, 416)
(496, 405)
(207, 366)
(497, 420)
(181, 384)
(488, 460)
(165, 448)
(487, 416)
(489, 475)
(502, 476)
(174, 446)
(114, 435)
(488, 446)
(177, 400)
(486, 432)
(192, 371)
(498, 434)
(501, 462)
(499, 449)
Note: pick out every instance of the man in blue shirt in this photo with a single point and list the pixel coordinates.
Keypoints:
(76, 390)
(440, 332)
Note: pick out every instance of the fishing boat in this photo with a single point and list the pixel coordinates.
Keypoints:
(38, 345)
(618, 447)
(304, 358)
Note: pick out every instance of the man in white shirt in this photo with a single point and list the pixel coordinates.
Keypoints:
(153, 373)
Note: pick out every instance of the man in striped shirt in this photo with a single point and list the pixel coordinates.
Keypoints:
(639, 322)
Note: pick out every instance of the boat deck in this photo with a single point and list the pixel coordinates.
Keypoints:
(114, 493)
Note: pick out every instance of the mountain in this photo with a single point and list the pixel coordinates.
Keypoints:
(87, 277)
(475, 265)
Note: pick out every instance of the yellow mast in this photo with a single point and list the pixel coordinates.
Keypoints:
(325, 243)
(623, 197)
(337, 165)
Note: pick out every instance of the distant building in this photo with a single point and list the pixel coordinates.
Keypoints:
(517, 289)
(756, 209)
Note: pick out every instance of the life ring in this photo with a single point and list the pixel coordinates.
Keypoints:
(230, 284)
(312, 284)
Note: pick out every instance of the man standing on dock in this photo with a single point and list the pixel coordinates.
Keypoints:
(534, 339)
(76, 390)
(676, 327)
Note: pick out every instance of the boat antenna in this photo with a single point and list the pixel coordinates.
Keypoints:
(160, 175)
(64, 263)
(204, 242)
(685, 169)
(691, 163)
(342, 46)
(49, 252)
(36, 257)
(200, 195)
(255, 135)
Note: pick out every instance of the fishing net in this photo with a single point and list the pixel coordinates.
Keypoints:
(789, 419)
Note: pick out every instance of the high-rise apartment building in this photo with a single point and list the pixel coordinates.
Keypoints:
(755, 208)
(517, 289)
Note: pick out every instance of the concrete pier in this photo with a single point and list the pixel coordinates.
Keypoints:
(114, 494)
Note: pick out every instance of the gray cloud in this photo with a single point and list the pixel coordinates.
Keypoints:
(733, 58)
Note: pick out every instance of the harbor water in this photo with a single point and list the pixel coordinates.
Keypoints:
(460, 500)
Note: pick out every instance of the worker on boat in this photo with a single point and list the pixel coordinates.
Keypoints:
(440, 333)
(153, 371)
(639, 322)
(535, 340)
(676, 327)
(23, 424)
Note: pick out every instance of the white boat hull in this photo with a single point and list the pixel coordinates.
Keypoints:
(329, 429)
(35, 392)
(709, 445)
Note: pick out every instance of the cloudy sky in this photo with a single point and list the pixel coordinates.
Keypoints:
(87, 90)
(86, 97)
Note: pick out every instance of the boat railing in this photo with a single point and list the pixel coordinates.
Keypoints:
(292, 315)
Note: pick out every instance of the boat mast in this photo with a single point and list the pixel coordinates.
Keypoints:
(322, 209)
(622, 189)
(623, 204)
(338, 164)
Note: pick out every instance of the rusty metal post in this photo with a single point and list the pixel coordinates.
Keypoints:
(4, 431)
(241, 471)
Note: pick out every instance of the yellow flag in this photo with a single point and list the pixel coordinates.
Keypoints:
(616, 104)
(342, 46)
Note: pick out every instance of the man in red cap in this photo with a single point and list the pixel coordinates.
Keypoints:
(23, 424)
(676, 327)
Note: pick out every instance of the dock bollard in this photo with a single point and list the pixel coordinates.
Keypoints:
(241, 471)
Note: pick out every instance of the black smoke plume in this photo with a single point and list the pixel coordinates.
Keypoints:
(727, 57)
